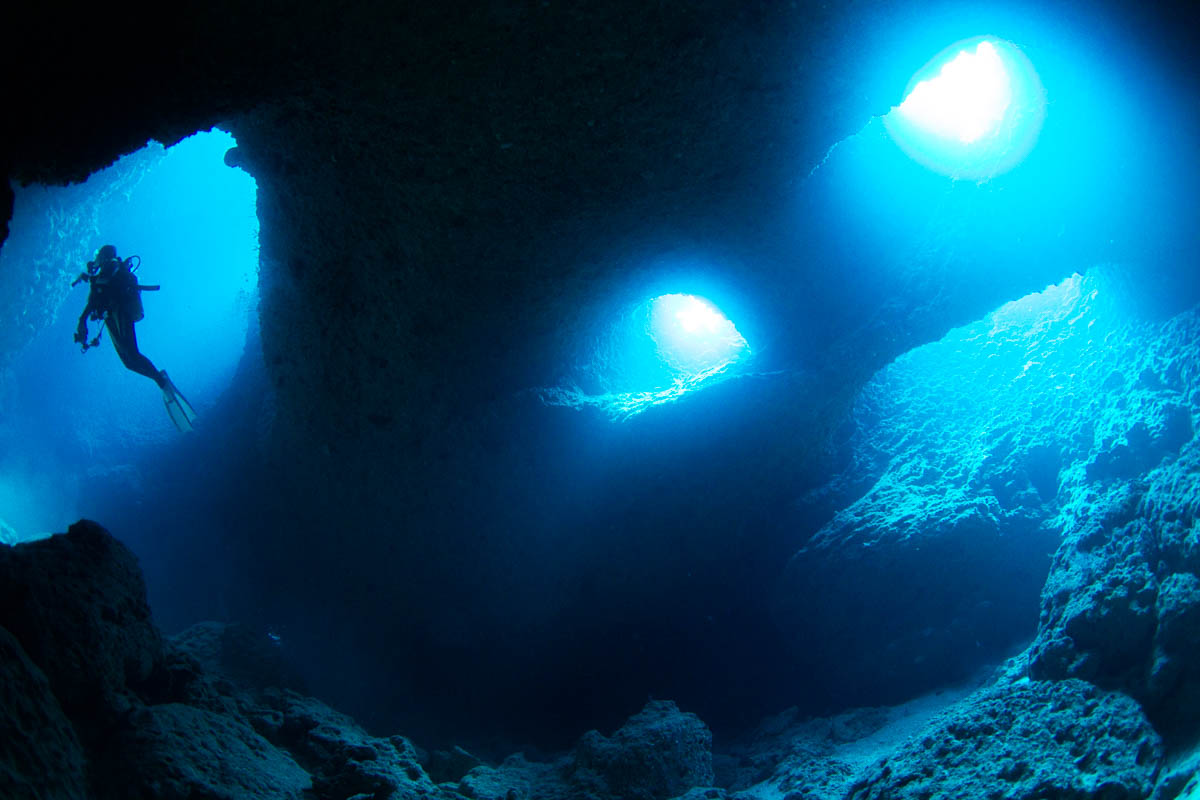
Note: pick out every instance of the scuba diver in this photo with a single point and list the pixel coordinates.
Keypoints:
(116, 299)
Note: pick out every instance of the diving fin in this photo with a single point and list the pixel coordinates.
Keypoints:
(178, 408)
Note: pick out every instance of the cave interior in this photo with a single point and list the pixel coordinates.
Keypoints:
(439, 477)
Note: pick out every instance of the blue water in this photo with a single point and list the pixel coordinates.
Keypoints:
(70, 418)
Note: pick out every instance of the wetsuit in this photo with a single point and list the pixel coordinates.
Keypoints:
(114, 295)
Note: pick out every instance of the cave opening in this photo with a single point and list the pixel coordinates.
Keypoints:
(973, 112)
(674, 332)
(74, 423)
(694, 339)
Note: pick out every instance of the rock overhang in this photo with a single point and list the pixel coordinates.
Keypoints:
(429, 175)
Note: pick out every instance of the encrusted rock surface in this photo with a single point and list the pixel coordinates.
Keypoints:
(1121, 605)
(40, 755)
(77, 604)
(969, 461)
(191, 731)
(1025, 740)
(199, 715)
(659, 753)
(177, 752)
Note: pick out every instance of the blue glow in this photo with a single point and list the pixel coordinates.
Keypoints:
(973, 112)
(71, 417)
(661, 350)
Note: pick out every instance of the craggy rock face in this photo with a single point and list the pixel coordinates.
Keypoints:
(445, 191)
(107, 642)
(42, 755)
(1026, 740)
(1061, 418)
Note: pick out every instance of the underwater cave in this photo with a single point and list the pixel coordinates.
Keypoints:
(645, 400)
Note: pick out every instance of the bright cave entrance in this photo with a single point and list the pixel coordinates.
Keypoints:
(69, 419)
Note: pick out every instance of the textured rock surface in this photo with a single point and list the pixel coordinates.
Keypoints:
(152, 721)
(343, 759)
(196, 716)
(969, 461)
(190, 732)
(40, 756)
(821, 758)
(1120, 606)
(659, 753)
(518, 777)
(178, 752)
(251, 659)
(77, 604)
(1026, 740)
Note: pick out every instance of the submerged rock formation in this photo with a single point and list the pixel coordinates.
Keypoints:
(126, 714)
(1025, 740)
(1064, 418)
(195, 717)
(1121, 606)
(40, 754)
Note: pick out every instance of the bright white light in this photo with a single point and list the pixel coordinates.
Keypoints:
(976, 114)
(695, 316)
(692, 336)
(664, 348)
(967, 100)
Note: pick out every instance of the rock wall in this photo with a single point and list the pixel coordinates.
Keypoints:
(1062, 421)
(1120, 604)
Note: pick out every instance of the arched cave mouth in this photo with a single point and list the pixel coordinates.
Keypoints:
(72, 420)
(974, 112)
(653, 353)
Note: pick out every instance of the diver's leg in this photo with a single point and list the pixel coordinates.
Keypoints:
(120, 329)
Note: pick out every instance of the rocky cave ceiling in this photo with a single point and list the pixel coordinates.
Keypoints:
(443, 186)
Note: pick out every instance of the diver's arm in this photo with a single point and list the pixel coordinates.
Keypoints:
(81, 330)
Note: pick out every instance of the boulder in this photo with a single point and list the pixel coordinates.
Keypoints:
(1026, 740)
(40, 756)
(660, 752)
(451, 765)
(344, 760)
(517, 777)
(77, 604)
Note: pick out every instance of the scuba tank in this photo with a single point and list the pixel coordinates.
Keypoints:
(121, 289)
(116, 288)
(113, 290)
(131, 290)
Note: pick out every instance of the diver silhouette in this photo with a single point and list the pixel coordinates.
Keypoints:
(115, 297)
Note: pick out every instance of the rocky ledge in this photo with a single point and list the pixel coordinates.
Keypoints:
(96, 704)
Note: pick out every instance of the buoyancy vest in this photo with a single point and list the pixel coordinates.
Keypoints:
(115, 291)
